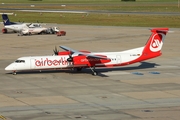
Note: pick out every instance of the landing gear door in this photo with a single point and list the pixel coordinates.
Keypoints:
(118, 59)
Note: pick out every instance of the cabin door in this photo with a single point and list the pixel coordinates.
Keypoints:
(118, 59)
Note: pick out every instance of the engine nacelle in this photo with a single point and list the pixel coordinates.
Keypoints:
(84, 60)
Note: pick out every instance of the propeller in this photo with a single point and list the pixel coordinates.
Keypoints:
(55, 51)
(70, 59)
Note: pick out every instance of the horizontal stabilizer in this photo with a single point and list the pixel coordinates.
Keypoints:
(160, 30)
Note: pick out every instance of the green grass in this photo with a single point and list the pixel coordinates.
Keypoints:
(98, 19)
(79, 1)
(111, 5)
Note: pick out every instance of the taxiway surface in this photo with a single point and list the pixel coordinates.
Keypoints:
(144, 91)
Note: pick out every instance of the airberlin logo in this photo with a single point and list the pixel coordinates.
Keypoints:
(157, 42)
(47, 62)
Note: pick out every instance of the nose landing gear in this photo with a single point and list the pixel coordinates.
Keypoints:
(14, 72)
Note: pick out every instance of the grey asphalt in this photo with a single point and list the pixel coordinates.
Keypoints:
(144, 91)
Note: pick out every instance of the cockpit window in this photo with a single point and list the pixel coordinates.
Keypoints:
(20, 61)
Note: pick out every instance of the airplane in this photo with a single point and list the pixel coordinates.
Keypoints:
(70, 58)
(15, 26)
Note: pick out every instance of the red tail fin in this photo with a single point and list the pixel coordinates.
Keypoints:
(155, 42)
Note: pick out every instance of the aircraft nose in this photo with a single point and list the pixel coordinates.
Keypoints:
(10, 67)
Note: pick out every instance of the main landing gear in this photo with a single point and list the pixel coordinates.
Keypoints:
(94, 72)
(14, 72)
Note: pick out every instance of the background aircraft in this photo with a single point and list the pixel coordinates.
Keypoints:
(16, 26)
(84, 59)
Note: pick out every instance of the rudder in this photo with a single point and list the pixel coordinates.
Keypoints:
(155, 42)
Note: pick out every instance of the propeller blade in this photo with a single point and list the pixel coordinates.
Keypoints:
(55, 51)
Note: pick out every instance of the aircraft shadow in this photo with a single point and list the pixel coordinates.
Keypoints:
(143, 65)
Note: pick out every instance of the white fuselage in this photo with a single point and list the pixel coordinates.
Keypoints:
(60, 61)
(25, 29)
(15, 27)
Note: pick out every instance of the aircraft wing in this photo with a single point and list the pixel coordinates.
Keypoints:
(81, 53)
(69, 49)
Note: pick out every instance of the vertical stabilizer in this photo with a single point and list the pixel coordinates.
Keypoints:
(6, 19)
(154, 44)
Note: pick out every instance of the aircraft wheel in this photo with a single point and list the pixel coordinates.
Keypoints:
(14, 73)
(95, 73)
(19, 34)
